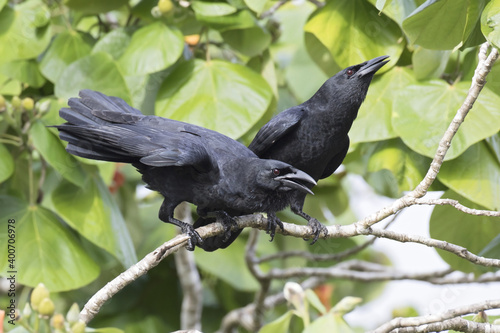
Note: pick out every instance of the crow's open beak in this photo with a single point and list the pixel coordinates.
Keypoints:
(373, 65)
(296, 180)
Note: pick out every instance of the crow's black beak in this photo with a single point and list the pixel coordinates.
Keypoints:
(296, 179)
(373, 65)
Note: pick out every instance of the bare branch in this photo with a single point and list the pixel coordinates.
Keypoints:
(457, 324)
(441, 318)
(189, 278)
(457, 205)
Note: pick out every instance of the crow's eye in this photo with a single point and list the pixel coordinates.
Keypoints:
(276, 172)
(349, 72)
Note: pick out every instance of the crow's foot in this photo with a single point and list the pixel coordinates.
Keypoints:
(194, 237)
(272, 222)
(228, 222)
(316, 229)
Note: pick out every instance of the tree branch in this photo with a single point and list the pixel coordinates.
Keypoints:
(442, 319)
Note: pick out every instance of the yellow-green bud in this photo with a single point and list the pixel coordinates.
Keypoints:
(73, 314)
(78, 327)
(37, 295)
(28, 104)
(46, 307)
(16, 102)
(57, 321)
(165, 6)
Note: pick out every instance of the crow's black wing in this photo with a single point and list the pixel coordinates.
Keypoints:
(275, 129)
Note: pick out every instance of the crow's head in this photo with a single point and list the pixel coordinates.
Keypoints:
(351, 83)
(280, 176)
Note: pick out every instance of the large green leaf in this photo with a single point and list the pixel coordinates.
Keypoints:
(52, 150)
(9, 86)
(114, 43)
(212, 8)
(429, 64)
(6, 163)
(25, 71)
(94, 214)
(407, 167)
(97, 71)
(280, 325)
(303, 76)
(443, 24)
(228, 266)
(490, 22)
(45, 251)
(68, 46)
(219, 95)
(330, 322)
(374, 121)
(250, 41)
(94, 6)
(397, 10)
(357, 27)
(475, 175)
(423, 112)
(152, 48)
(257, 6)
(240, 20)
(472, 232)
(24, 32)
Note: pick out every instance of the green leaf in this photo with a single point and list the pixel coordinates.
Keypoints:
(240, 20)
(303, 76)
(52, 150)
(356, 25)
(251, 41)
(94, 6)
(429, 64)
(228, 266)
(374, 121)
(329, 323)
(407, 167)
(97, 71)
(397, 10)
(423, 112)
(9, 86)
(152, 48)
(2, 4)
(256, 5)
(469, 231)
(114, 43)
(212, 8)
(279, 325)
(6, 164)
(475, 175)
(225, 97)
(25, 71)
(94, 214)
(68, 46)
(314, 300)
(443, 24)
(490, 22)
(46, 251)
(494, 144)
(21, 35)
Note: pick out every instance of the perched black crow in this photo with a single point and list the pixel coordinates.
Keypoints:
(313, 136)
(183, 162)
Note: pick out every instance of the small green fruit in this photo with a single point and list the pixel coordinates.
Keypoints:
(73, 314)
(46, 307)
(37, 295)
(28, 104)
(165, 6)
(57, 321)
(16, 102)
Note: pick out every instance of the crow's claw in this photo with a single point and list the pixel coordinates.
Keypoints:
(316, 229)
(272, 222)
(194, 237)
(228, 222)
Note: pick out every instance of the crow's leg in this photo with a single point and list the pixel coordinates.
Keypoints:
(166, 214)
(272, 222)
(316, 226)
(227, 221)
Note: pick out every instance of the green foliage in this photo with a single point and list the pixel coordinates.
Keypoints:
(226, 65)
